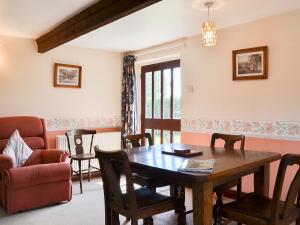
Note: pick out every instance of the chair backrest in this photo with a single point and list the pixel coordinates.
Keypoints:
(77, 135)
(137, 140)
(31, 129)
(229, 140)
(113, 165)
(293, 193)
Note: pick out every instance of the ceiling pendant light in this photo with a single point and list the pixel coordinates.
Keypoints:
(209, 29)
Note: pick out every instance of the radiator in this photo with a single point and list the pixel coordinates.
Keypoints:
(105, 141)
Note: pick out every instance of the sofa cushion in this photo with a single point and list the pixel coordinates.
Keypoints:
(17, 149)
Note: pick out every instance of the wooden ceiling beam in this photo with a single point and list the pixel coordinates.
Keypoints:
(97, 15)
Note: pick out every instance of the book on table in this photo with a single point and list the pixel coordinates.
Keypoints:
(197, 165)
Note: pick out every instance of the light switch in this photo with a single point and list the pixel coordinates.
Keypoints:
(190, 89)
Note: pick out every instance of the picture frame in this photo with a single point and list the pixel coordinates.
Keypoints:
(67, 76)
(250, 63)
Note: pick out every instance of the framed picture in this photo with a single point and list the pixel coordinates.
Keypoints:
(68, 76)
(250, 63)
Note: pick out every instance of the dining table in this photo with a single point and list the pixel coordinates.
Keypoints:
(229, 165)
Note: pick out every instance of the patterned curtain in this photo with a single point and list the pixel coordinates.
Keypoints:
(129, 97)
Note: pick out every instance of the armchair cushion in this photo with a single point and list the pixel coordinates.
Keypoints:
(17, 178)
(46, 156)
(54, 156)
(32, 130)
(35, 158)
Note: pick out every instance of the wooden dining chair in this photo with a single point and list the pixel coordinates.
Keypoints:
(80, 154)
(255, 209)
(139, 140)
(141, 203)
(230, 141)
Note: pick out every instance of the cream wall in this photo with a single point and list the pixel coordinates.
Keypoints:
(26, 84)
(261, 108)
(267, 109)
(209, 70)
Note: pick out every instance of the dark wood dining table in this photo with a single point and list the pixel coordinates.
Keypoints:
(229, 165)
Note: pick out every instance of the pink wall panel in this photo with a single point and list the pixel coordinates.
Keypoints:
(257, 144)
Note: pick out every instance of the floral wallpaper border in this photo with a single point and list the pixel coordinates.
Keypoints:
(56, 124)
(265, 129)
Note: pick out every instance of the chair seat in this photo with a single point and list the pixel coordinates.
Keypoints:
(84, 156)
(255, 207)
(146, 198)
(151, 182)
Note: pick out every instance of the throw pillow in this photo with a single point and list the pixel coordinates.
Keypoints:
(17, 149)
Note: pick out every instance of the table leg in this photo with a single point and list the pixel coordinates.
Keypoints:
(262, 180)
(202, 203)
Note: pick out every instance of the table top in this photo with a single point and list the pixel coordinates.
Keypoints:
(227, 162)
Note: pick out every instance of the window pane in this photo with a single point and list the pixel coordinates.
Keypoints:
(176, 137)
(167, 94)
(148, 95)
(166, 136)
(150, 132)
(157, 136)
(176, 93)
(157, 94)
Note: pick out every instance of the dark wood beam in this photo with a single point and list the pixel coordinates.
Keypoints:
(97, 15)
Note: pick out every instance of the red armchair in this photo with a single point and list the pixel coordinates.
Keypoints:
(45, 179)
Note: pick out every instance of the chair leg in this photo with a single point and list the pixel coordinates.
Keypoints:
(152, 188)
(174, 191)
(71, 162)
(115, 218)
(80, 175)
(181, 218)
(148, 221)
(134, 222)
(219, 203)
(177, 192)
(89, 171)
(182, 193)
(239, 192)
(239, 189)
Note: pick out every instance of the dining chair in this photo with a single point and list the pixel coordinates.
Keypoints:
(80, 155)
(139, 140)
(230, 141)
(255, 209)
(142, 203)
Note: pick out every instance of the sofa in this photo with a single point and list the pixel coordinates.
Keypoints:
(44, 179)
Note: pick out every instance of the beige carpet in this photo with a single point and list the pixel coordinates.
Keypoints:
(85, 209)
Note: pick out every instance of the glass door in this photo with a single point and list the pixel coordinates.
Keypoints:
(161, 101)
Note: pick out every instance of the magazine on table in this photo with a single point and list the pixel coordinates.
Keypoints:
(197, 165)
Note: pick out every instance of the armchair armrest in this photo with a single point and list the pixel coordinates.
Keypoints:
(5, 163)
(54, 156)
(37, 174)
